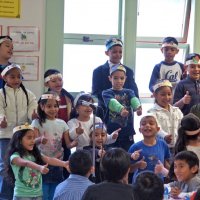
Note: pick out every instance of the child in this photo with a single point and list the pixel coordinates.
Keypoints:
(17, 106)
(80, 168)
(186, 166)
(100, 81)
(49, 132)
(148, 185)
(82, 120)
(6, 52)
(54, 82)
(154, 151)
(169, 68)
(119, 101)
(167, 116)
(25, 164)
(188, 135)
(115, 166)
(99, 138)
(187, 91)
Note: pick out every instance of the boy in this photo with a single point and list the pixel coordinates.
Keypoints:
(80, 167)
(187, 91)
(115, 166)
(119, 101)
(186, 167)
(100, 81)
(169, 68)
(6, 52)
(154, 151)
(148, 185)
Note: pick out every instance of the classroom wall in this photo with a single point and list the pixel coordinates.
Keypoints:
(33, 13)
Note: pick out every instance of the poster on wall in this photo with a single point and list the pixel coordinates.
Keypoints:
(10, 8)
(25, 38)
(29, 66)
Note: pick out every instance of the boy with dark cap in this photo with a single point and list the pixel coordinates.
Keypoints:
(169, 68)
(100, 81)
(187, 91)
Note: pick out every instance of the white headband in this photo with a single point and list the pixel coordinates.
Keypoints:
(78, 96)
(192, 132)
(162, 84)
(9, 67)
(50, 96)
(52, 76)
(171, 44)
(4, 39)
(192, 61)
(22, 127)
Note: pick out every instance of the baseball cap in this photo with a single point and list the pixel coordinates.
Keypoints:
(113, 42)
(117, 67)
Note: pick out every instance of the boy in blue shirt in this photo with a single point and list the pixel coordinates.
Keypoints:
(169, 68)
(153, 151)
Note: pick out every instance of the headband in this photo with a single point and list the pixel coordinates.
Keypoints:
(192, 132)
(23, 127)
(99, 125)
(78, 96)
(4, 39)
(162, 84)
(9, 67)
(192, 61)
(52, 76)
(113, 42)
(170, 44)
(117, 67)
(50, 96)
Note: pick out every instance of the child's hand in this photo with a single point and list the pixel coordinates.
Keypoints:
(175, 191)
(3, 123)
(79, 130)
(101, 152)
(43, 139)
(187, 98)
(115, 134)
(124, 112)
(74, 143)
(160, 169)
(34, 115)
(136, 154)
(168, 138)
(44, 169)
(139, 111)
(142, 164)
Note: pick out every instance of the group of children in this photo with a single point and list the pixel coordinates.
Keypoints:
(37, 153)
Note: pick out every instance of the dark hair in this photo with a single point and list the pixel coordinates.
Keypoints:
(63, 91)
(189, 157)
(41, 102)
(189, 122)
(195, 109)
(191, 56)
(80, 162)
(85, 97)
(15, 145)
(197, 195)
(21, 85)
(5, 36)
(148, 185)
(169, 40)
(115, 164)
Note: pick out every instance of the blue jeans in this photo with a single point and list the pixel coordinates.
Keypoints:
(27, 198)
(48, 190)
(6, 190)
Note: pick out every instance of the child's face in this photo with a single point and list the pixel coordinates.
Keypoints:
(6, 49)
(163, 97)
(148, 126)
(28, 141)
(55, 84)
(114, 54)
(169, 53)
(84, 111)
(194, 71)
(13, 78)
(117, 79)
(50, 108)
(100, 137)
(183, 171)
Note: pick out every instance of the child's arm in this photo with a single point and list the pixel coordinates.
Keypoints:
(113, 136)
(74, 129)
(3, 123)
(54, 161)
(141, 164)
(26, 163)
(70, 144)
(160, 169)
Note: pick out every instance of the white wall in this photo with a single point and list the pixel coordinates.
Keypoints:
(32, 14)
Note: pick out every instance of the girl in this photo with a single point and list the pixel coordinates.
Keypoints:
(82, 120)
(49, 132)
(25, 164)
(17, 106)
(167, 116)
(54, 82)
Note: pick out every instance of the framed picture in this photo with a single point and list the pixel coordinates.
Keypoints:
(25, 38)
(29, 66)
